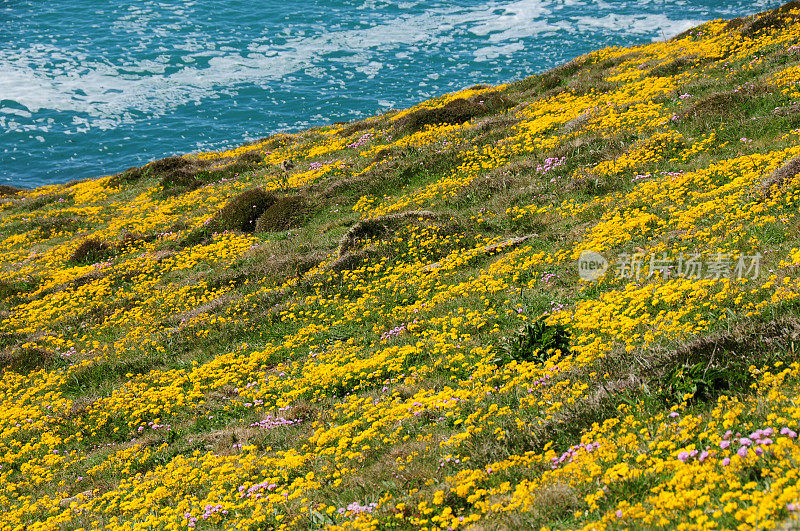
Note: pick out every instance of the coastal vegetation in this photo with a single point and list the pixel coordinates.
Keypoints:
(382, 324)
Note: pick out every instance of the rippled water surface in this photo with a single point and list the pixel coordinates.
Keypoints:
(91, 88)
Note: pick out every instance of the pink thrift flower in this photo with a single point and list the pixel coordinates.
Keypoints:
(742, 452)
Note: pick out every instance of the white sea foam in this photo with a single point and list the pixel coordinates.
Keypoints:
(507, 21)
(488, 53)
(659, 26)
(109, 94)
(16, 112)
(106, 94)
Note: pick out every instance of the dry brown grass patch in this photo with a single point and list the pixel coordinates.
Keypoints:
(557, 501)
(780, 177)
(788, 110)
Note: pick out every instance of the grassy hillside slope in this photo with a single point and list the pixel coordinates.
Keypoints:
(380, 324)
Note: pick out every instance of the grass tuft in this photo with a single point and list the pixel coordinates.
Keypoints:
(26, 360)
(557, 501)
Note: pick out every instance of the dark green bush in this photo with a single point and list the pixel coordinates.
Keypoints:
(250, 157)
(541, 83)
(704, 380)
(180, 175)
(130, 175)
(379, 226)
(90, 251)
(356, 127)
(6, 189)
(177, 174)
(242, 211)
(285, 213)
(456, 111)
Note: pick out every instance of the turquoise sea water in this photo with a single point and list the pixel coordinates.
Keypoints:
(91, 88)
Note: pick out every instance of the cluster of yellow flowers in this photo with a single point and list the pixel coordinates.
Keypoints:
(172, 384)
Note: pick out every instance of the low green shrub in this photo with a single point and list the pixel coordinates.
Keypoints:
(130, 175)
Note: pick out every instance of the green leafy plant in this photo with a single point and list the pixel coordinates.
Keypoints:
(703, 380)
(535, 341)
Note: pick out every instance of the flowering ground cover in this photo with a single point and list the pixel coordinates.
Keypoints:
(383, 324)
